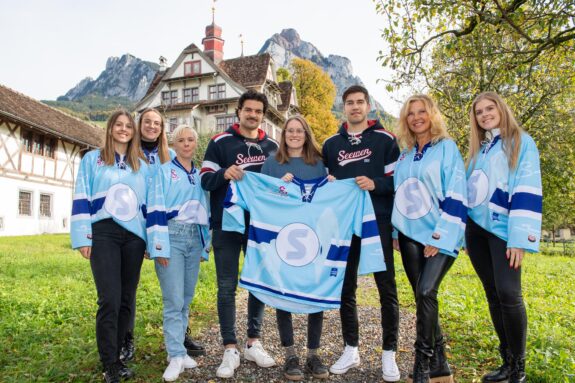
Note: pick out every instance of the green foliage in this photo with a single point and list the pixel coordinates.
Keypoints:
(92, 107)
(283, 75)
(547, 282)
(203, 141)
(316, 93)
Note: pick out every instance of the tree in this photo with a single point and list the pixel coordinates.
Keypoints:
(524, 50)
(316, 94)
(283, 74)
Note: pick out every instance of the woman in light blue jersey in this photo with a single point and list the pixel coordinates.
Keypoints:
(177, 226)
(298, 156)
(429, 212)
(505, 202)
(109, 229)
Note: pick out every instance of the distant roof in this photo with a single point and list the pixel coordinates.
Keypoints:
(33, 113)
(155, 81)
(247, 70)
(286, 88)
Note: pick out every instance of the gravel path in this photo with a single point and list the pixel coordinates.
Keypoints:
(331, 345)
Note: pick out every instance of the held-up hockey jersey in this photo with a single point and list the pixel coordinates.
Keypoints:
(430, 196)
(104, 192)
(175, 194)
(507, 203)
(154, 162)
(299, 238)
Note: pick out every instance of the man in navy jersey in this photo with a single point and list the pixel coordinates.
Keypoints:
(243, 146)
(362, 149)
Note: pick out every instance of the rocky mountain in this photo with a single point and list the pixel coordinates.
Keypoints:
(287, 45)
(125, 77)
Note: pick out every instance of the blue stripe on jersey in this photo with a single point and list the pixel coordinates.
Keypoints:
(228, 198)
(500, 198)
(260, 235)
(80, 206)
(454, 207)
(172, 214)
(369, 229)
(291, 295)
(527, 201)
(156, 218)
(97, 204)
(337, 253)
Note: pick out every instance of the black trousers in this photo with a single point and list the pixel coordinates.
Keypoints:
(425, 276)
(314, 328)
(502, 286)
(385, 281)
(116, 260)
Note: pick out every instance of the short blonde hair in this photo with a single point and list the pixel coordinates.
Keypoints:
(180, 130)
(438, 129)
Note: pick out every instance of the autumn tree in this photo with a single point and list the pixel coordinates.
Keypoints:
(316, 94)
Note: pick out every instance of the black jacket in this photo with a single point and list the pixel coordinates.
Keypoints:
(226, 149)
(373, 155)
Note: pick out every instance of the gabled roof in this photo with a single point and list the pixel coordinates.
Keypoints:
(33, 113)
(286, 89)
(248, 70)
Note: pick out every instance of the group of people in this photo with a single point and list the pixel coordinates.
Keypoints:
(137, 198)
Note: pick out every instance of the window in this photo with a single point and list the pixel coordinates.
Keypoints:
(223, 122)
(38, 143)
(192, 68)
(170, 97)
(217, 92)
(50, 147)
(216, 109)
(191, 95)
(45, 205)
(27, 138)
(25, 203)
(173, 123)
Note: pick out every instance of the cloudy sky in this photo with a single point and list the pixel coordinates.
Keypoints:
(48, 46)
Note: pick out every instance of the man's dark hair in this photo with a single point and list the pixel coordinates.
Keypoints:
(252, 95)
(355, 89)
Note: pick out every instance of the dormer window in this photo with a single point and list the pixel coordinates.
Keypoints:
(192, 68)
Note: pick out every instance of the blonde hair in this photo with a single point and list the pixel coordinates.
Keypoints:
(180, 130)
(311, 151)
(133, 153)
(406, 137)
(163, 151)
(510, 130)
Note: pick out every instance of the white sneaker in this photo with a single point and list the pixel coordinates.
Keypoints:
(230, 362)
(389, 367)
(174, 369)
(188, 361)
(256, 353)
(349, 359)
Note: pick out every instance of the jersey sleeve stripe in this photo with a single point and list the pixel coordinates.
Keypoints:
(527, 201)
(260, 235)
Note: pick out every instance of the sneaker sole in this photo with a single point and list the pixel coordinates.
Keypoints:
(392, 378)
(342, 371)
(247, 357)
(196, 352)
(441, 379)
(294, 378)
(321, 376)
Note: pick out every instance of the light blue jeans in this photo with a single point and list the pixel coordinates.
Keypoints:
(178, 283)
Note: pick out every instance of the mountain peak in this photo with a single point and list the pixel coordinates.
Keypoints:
(291, 36)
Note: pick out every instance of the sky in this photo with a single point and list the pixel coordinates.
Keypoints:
(48, 46)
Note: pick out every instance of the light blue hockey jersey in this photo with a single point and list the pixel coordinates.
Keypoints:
(430, 203)
(104, 192)
(507, 203)
(175, 194)
(299, 238)
(154, 162)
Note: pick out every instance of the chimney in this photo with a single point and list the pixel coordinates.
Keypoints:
(163, 63)
(213, 43)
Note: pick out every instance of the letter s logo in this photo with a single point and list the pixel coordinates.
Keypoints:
(121, 202)
(412, 199)
(477, 188)
(297, 244)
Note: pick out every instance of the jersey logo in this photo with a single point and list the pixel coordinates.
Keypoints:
(100, 161)
(174, 175)
(121, 202)
(477, 188)
(282, 191)
(412, 199)
(193, 210)
(344, 158)
(297, 244)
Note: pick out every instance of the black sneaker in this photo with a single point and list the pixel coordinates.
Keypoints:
(314, 366)
(291, 368)
(124, 372)
(111, 374)
(128, 349)
(193, 348)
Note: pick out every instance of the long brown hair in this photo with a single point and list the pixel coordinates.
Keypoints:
(438, 129)
(133, 153)
(163, 151)
(510, 130)
(311, 151)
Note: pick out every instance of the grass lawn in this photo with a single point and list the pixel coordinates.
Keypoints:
(48, 305)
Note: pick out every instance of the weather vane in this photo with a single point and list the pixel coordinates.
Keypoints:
(213, 11)
(242, 43)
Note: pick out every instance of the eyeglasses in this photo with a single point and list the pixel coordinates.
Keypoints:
(295, 131)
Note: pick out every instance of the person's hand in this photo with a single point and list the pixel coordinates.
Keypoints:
(86, 251)
(515, 256)
(234, 172)
(331, 178)
(396, 244)
(365, 183)
(430, 251)
(146, 254)
(162, 261)
(288, 177)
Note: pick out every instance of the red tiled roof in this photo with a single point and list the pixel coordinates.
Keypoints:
(247, 70)
(33, 113)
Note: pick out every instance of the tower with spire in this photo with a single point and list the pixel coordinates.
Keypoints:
(213, 42)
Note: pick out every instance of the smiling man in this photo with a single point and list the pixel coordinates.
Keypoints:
(244, 146)
(364, 150)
